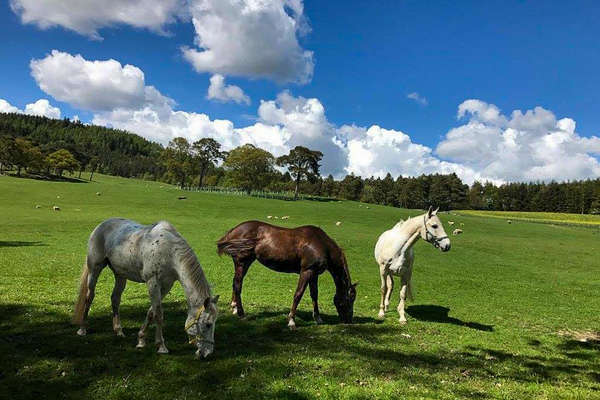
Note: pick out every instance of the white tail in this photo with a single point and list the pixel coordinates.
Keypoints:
(83, 291)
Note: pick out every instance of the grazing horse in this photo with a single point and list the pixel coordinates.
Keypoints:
(395, 256)
(157, 255)
(305, 250)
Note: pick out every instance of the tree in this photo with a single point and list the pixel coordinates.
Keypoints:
(207, 152)
(178, 159)
(7, 149)
(301, 162)
(62, 160)
(249, 167)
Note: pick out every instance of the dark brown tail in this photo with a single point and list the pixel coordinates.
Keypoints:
(236, 247)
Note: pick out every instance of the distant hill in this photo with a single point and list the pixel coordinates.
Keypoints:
(118, 152)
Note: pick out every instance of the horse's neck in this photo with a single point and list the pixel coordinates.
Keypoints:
(194, 283)
(409, 231)
(341, 275)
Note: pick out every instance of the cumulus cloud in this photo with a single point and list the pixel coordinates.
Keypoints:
(530, 145)
(93, 85)
(418, 98)
(526, 146)
(88, 16)
(41, 108)
(6, 107)
(251, 38)
(219, 91)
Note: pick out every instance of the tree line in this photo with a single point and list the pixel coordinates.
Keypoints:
(39, 145)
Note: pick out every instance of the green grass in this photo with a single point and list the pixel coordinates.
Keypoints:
(545, 217)
(483, 324)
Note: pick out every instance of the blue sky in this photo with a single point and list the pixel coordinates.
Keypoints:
(366, 59)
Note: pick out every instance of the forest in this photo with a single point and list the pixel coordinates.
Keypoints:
(47, 148)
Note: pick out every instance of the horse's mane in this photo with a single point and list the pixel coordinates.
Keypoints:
(194, 271)
(399, 223)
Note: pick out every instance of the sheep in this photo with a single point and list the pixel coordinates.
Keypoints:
(56, 208)
(450, 223)
(338, 223)
(98, 193)
(38, 206)
(269, 216)
(509, 221)
(285, 217)
(457, 231)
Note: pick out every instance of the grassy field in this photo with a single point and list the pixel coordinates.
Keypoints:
(485, 322)
(545, 217)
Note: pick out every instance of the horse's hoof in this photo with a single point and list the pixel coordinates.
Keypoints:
(402, 322)
(81, 332)
(140, 345)
(292, 325)
(318, 320)
(120, 334)
(162, 350)
(234, 311)
(381, 314)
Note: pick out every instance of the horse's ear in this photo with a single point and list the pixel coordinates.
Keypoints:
(355, 284)
(429, 212)
(207, 302)
(215, 299)
(436, 211)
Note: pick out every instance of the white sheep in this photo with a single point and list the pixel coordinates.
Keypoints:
(56, 208)
(269, 216)
(450, 223)
(285, 217)
(338, 223)
(457, 231)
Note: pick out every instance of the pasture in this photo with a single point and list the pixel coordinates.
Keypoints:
(488, 319)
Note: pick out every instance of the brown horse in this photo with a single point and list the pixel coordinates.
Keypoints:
(305, 250)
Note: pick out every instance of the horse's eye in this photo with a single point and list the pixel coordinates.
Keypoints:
(434, 226)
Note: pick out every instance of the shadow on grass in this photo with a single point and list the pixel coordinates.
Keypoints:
(433, 313)
(14, 243)
(43, 357)
(49, 178)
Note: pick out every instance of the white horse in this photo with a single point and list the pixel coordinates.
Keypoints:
(395, 256)
(157, 255)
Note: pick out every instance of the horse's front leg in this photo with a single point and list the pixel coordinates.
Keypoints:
(382, 306)
(305, 277)
(314, 295)
(142, 333)
(154, 290)
(403, 292)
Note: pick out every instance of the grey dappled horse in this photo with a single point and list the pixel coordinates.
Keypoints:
(158, 256)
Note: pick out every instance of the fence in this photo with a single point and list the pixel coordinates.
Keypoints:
(287, 196)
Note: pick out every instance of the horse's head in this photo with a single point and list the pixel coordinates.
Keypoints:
(433, 230)
(344, 303)
(200, 326)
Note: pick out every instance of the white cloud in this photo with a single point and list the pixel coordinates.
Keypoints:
(6, 107)
(251, 38)
(375, 151)
(218, 90)
(40, 108)
(93, 85)
(527, 146)
(88, 16)
(418, 98)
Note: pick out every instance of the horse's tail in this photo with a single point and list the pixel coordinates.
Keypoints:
(236, 247)
(83, 290)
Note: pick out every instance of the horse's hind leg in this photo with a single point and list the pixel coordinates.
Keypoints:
(115, 300)
(314, 295)
(383, 275)
(241, 268)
